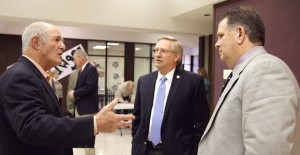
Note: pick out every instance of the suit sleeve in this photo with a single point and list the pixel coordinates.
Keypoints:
(136, 111)
(133, 95)
(90, 83)
(200, 113)
(33, 117)
(119, 91)
(269, 108)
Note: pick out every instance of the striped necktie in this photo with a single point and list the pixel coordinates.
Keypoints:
(226, 82)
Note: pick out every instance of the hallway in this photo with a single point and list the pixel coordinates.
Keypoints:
(111, 143)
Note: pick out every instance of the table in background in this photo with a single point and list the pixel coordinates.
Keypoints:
(123, 106)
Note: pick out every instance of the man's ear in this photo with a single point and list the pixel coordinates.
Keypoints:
(241, 34)
(35, 42)
(177, 57)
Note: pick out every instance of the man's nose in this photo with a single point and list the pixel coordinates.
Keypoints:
(63, 46)
(217, 44)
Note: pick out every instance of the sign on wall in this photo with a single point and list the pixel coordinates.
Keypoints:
(67, 66)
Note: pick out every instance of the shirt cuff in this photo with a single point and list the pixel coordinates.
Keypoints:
(95, 126)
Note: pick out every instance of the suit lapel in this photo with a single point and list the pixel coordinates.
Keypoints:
(81, 74)
(173, 89)
(232, 82)
(86, 68)
(45, 83)
(50, 92)
(223, 96)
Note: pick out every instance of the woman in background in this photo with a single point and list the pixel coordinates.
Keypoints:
(202, 72)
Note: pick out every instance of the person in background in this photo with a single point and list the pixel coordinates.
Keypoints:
(126, 92)
(202, 72)
(170, 106)
(71, 86)
(258, 111)
(85, 93)
(31, 122)
(97, 66)
(56, 85)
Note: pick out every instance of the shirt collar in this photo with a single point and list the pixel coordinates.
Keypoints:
(45, 74)
(243, 57)
(82, 68)
(169, 75)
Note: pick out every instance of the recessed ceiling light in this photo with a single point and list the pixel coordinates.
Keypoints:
(99, 47)
(113, 44)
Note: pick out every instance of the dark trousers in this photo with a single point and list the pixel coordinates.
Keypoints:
(154, 150)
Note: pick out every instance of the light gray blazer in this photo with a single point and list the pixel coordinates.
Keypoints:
(258, 112)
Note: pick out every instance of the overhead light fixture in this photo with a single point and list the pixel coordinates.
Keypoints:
(113, 44)
(137, 49)
(99, 47)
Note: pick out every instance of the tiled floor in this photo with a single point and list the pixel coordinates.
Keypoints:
(111, 143)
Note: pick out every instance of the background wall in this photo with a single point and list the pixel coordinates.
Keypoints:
(10, 50)
(282, 33)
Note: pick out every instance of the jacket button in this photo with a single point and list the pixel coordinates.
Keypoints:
(145, 143)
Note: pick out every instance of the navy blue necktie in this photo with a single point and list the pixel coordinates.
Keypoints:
(226, 82)
(157, 116)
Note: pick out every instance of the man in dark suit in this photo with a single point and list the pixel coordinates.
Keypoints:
(31, 122)
(185, 110)
(85, 93)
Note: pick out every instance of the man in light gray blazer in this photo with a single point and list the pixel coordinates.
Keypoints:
(258, 111)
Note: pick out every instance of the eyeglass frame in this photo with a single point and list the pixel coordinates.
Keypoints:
(162, 51)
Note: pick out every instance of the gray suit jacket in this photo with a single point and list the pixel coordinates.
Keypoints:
(258, 112)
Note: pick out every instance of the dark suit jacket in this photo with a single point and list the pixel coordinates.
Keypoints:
(31, 122)
(86, 91)
(185, 116)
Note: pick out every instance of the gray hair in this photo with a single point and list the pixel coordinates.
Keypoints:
(38, 29)
(130, 83)
(176, 46)
(81, 53)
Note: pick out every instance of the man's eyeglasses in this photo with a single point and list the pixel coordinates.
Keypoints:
(162, 51)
